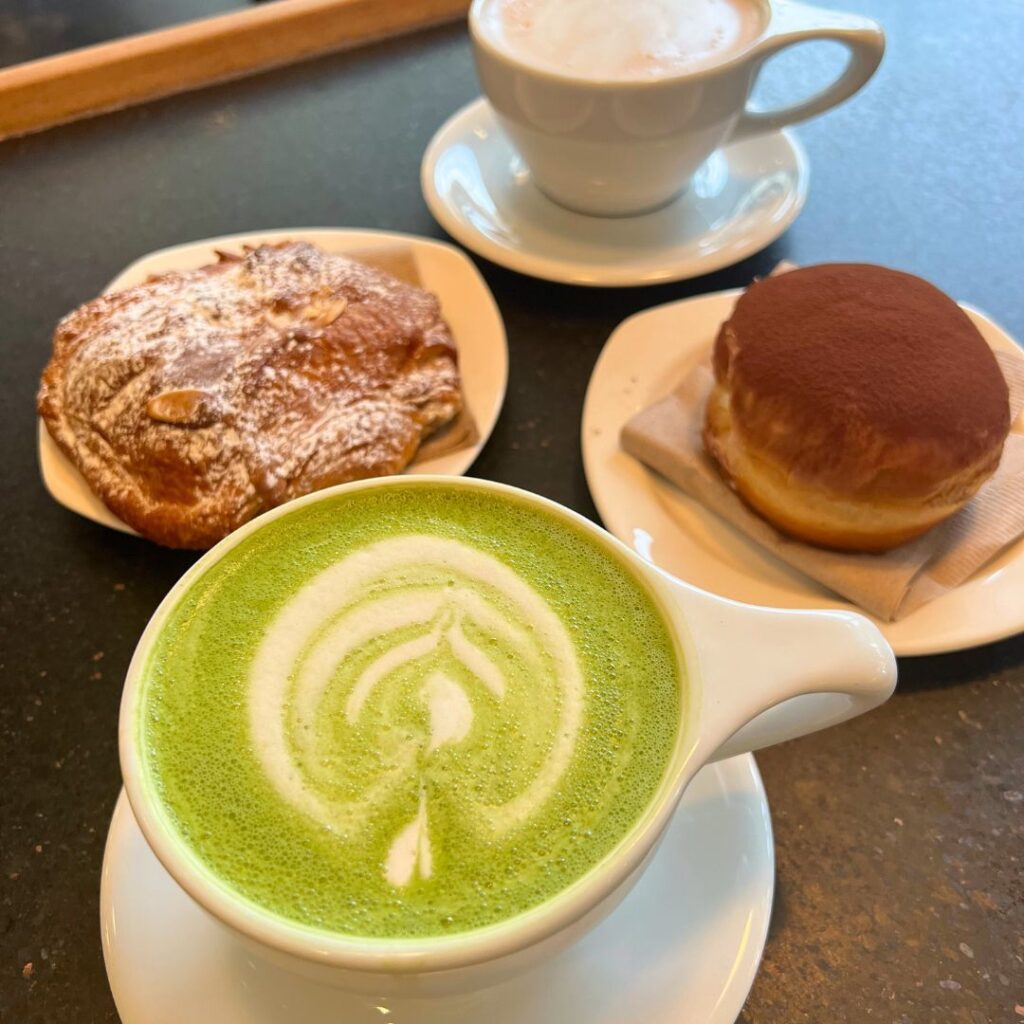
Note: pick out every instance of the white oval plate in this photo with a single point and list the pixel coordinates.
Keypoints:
(466, 303)
(642, 359)
(684, 945)
(479, 190)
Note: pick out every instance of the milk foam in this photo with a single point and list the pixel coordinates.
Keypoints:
(410, 852)
(622, 39)
(415, 603)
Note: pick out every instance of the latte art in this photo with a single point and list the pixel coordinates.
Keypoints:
(411, 621)
(408, 710)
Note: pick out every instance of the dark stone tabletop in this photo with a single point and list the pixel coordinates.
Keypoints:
(899, 836)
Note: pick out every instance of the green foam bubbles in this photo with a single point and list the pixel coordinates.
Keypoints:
(409, 711)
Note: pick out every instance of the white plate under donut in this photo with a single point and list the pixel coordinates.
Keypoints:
(642, 360)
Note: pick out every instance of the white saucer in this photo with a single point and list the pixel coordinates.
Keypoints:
(642, 360)
(683, 946)
(479, 190)
(466, 302)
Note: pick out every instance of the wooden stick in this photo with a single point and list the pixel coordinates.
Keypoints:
(127, 71)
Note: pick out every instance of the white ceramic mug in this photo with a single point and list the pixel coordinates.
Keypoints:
(617, 148)
(755, 676)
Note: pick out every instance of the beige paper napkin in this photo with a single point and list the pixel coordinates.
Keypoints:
(667, 438)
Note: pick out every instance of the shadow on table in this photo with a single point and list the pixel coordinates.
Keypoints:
(970, 666)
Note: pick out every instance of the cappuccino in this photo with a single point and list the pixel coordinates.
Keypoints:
(622, 39)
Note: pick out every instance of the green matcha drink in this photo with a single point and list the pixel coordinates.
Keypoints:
(410, 710)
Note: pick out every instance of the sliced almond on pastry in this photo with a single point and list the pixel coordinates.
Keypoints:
(185, 407)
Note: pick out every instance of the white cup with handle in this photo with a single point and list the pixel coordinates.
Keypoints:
(755, 676)
(620, 144)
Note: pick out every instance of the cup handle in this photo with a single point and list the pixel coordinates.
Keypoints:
(794, 23)
(769, 675)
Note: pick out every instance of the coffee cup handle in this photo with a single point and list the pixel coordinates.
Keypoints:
(794, 23)
(770, 675)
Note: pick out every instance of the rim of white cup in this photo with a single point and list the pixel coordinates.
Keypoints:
(406, 955)
(481, 39)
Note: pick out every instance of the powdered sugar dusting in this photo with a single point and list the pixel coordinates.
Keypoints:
(200, 398)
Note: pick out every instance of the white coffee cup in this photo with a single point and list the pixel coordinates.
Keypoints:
(755, 676)
(617, 147)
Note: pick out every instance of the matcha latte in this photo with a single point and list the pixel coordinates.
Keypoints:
(409, 710)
